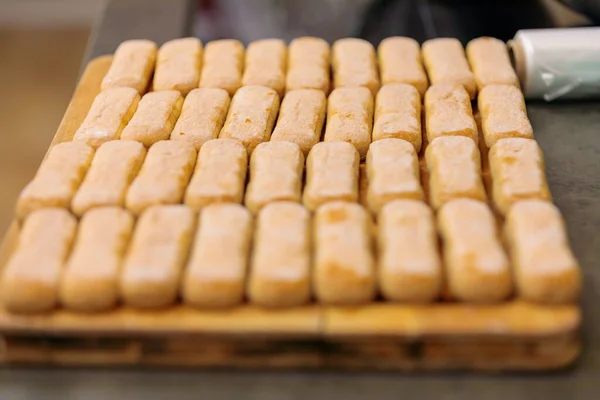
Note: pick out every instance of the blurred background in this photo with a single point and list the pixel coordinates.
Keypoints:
(43, 44)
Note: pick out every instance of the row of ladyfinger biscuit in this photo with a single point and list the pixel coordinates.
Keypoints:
(181, 64)
(286, 257)
(122, 173)
(253, 116)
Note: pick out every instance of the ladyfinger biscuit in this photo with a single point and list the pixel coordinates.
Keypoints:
(251, 116)
(331, 174)
(132, 66)
(454, 167)
(220, 174)
(266, 64)
(91, 278)
(155, 117)
(354, 64)
(223, 65)
(477, 269)
(398, 114)
(350, 118)
(490, 63)
(202, 117)
(113, 168)
(110, 112)
(308, 64)
(517, 167)
(445, 62)
(163, 176)
(448, 112)
(178, 65)
(344, 270)
(216, 272)
(276, 170)
(400, 62)
(409, 267)
(503, 114)
(31, 277)
(301, 118)
(156, 257)
(544, 266)
(57, 179)
(280, 272)
(393, 173)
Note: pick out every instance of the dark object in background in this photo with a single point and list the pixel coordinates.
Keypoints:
(590, 8)
(462, 19)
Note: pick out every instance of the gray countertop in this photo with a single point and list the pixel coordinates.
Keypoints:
(569, 134)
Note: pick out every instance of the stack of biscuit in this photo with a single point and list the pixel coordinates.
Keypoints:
(281, 175)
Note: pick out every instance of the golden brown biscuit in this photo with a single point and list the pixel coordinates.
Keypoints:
(409, 268)
(276, 170)
(110, 112)
(266, 64)
(251, 116)
(163, 177)
(354, 64)
(301, 118)
(113, 168)
(344, 270)
(503, 114)
(448, 112)
(202, 116)
(544, 266)
(454, 167)
(350, 118)
(223, 65)
(398, 114)
(155, 117)
(178, 65)
(156, 257)
(216, 272)
(220, 174)
(331, 174)
(132, 66)
(490, 63)
(517, 167)
(308, 64)
(393, 173)
(91, 278)
(31, 277)
(57, 179)
(446, 63)
(280, 272)
(477, 269)
(400, 62)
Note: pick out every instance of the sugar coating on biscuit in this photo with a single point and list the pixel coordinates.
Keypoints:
(446, 63)
(111, 111)
(280, 271)
(409, 268)
(448, 112)
(350, 117)
(216, 272)
(344, 270)
(223, 65)
(178, 65)
(266, 64)
(398, 114)
(154, 118)
(490, 62)
(301, 118)
(308, 64)
(251, 116)
(354, 64)
(331, 174)
(400, 62)
(202, 116)
(545, 269)
(132, 66)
